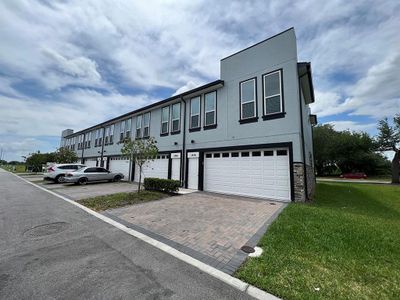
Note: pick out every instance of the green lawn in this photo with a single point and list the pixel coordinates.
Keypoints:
(121, 199)
(346, 245)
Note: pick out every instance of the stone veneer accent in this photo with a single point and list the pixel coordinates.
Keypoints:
(298, 178)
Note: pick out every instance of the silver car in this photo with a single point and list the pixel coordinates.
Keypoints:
(89, 174)
(56, 172)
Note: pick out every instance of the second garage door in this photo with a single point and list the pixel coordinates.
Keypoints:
(120, 165)
(260, 173)
(158, 168)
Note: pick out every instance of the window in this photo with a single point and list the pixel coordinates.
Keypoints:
(210, 103)
(225, 154)
(91, 170)
(96, 141)
(146, 125)
(273, 93)
(139, 126)
(248, 99)
(256, 153)
(235, 154)
(269, 153)
(208, 155)
(106, 135)
(176, 117)
(100, 136)
(217, 155)
(122, 131)
(195, 113)
(245, 154)
(128, 128)
(111, 140)
(165, 120)
(281, 152)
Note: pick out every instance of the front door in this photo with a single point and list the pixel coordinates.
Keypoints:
(193, 171)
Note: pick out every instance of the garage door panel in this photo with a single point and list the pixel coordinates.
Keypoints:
(119, 165)
(257, 176)
(158, 168)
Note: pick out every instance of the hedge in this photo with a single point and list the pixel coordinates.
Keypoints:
(163, 185)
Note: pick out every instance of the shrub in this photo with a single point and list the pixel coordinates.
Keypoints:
(163, 185)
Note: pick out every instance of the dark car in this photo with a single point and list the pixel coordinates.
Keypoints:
(359, 175)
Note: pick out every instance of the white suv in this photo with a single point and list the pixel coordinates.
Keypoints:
(57, 172)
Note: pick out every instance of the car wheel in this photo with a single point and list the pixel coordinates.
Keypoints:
(60, 178)
(117, 178)
(82, 181)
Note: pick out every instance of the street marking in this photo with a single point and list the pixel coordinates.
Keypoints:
(230, 280)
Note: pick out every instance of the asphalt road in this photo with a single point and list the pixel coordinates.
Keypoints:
(50, 249)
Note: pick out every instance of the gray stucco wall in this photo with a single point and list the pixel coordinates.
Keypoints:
(280, 52)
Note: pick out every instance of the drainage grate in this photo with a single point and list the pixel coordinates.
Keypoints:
(247, 249)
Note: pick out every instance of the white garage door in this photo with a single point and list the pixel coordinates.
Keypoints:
(158, 168)
(119, 165)
(90, 162)
(260, 173)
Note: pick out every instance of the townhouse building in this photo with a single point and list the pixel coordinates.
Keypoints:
(248, 133)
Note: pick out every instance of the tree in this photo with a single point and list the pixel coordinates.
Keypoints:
(140, 151)
(346, 151)
(388, 139)
(64, 155)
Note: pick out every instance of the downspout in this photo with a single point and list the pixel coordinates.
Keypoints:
(102, 147)
(183, 158)
(83, 147)
(302, 140)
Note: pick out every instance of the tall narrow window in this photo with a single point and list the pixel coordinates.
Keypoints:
(128, 128)
(100, 136)
(164, 120)
(248, 99)
(106, 135)
(176, 117)
(138, 126)
(195, 113)
(210, 104)
(273, 93)
(111, 140)
(122, 131)
(146, 125)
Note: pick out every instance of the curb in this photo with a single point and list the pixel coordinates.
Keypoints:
(230, 280)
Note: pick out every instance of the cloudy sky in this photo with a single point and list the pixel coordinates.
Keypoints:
(71, 64)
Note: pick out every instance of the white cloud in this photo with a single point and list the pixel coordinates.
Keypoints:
(187, 87)
(351, 125)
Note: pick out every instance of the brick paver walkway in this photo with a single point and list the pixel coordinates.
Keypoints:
(208, 226)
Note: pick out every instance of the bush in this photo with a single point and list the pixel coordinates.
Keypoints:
(163, 185)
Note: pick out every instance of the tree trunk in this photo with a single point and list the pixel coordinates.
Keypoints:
(396, 167)
(140, 178)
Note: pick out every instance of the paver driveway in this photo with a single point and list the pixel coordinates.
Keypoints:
(207, 226)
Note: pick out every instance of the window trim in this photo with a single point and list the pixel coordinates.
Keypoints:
(179, 119)
(281, 113)
(214, 125)
(140, 128)
(169, 114)
(128, 129)
(255, 117)
(197, 128)
(122, 130)
(143, 126)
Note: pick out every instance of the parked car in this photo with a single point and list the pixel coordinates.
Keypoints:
(359, 175)
(56, 172)
(89, 174)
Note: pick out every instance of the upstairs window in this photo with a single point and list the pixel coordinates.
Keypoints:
(139, 126)
(248, 99)
(165, 120)
(273, 100)
(210, 104)
(106, 135)
(146, 125)
(195, 113)
(100, 137)
(128, 128)
(176, 117)
(122, 131)
(111, 140)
